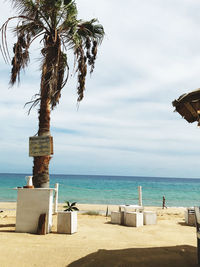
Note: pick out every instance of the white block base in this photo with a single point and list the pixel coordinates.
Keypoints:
(31, 203)
(116, 217)
(67, 222)
(134, 219)
(150, 217)
(190, 217)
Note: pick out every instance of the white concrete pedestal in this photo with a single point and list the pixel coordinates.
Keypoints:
(67, 222)
(116, 217)
(31, 203)
(190, 217)
(150, 217)
(134, 219)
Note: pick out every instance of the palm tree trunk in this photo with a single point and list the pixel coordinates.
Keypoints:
(51, 54)
(41, 163)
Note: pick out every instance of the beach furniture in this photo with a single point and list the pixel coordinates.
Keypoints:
(190, 216)
(31, 203)
(67, 222)
(116, 217)
(123, 209)
(197, 219)
(127, 208)
(133, 219)
(149, 217)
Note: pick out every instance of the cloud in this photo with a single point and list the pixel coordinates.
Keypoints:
(125, 125)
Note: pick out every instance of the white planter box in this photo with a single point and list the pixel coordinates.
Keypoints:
(31, 203)
(67, 222)
(134, 219)
(150, 217)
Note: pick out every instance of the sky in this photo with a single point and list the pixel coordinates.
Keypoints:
(126, 124)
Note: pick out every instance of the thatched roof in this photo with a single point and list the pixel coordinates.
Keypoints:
(188, 106)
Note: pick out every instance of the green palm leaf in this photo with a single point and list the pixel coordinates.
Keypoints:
(70, 207)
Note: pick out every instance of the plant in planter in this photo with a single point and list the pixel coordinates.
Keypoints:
(70, 207)
(67, 219)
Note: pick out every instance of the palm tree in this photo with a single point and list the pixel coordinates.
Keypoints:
(55, 23)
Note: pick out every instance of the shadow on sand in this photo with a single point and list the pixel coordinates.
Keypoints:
(183, 256)
(185, 224)
(5, 226)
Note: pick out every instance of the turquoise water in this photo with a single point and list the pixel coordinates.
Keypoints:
(178, 192)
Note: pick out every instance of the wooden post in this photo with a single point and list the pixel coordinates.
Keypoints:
(140, 195)
(107, 212)
(56, 199)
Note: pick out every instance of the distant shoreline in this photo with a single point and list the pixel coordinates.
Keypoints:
(112, 190)
(88, 206)
(104, 175)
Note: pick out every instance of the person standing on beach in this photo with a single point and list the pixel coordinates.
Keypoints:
(163, 204)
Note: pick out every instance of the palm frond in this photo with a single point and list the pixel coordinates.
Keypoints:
(92, 30)
(56, 23)
(68, 204)
(75, 208)
(33, 103)
(61, 81)
(31, 9)
(25, 7)
(21, 56)
(68, 18)
(32, 28)
(22, 29)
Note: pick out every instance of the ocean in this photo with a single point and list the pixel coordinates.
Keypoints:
(99, 189)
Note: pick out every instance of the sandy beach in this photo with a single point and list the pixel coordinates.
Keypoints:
(99, 243)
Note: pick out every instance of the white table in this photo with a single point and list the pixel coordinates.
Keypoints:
(136, 208)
